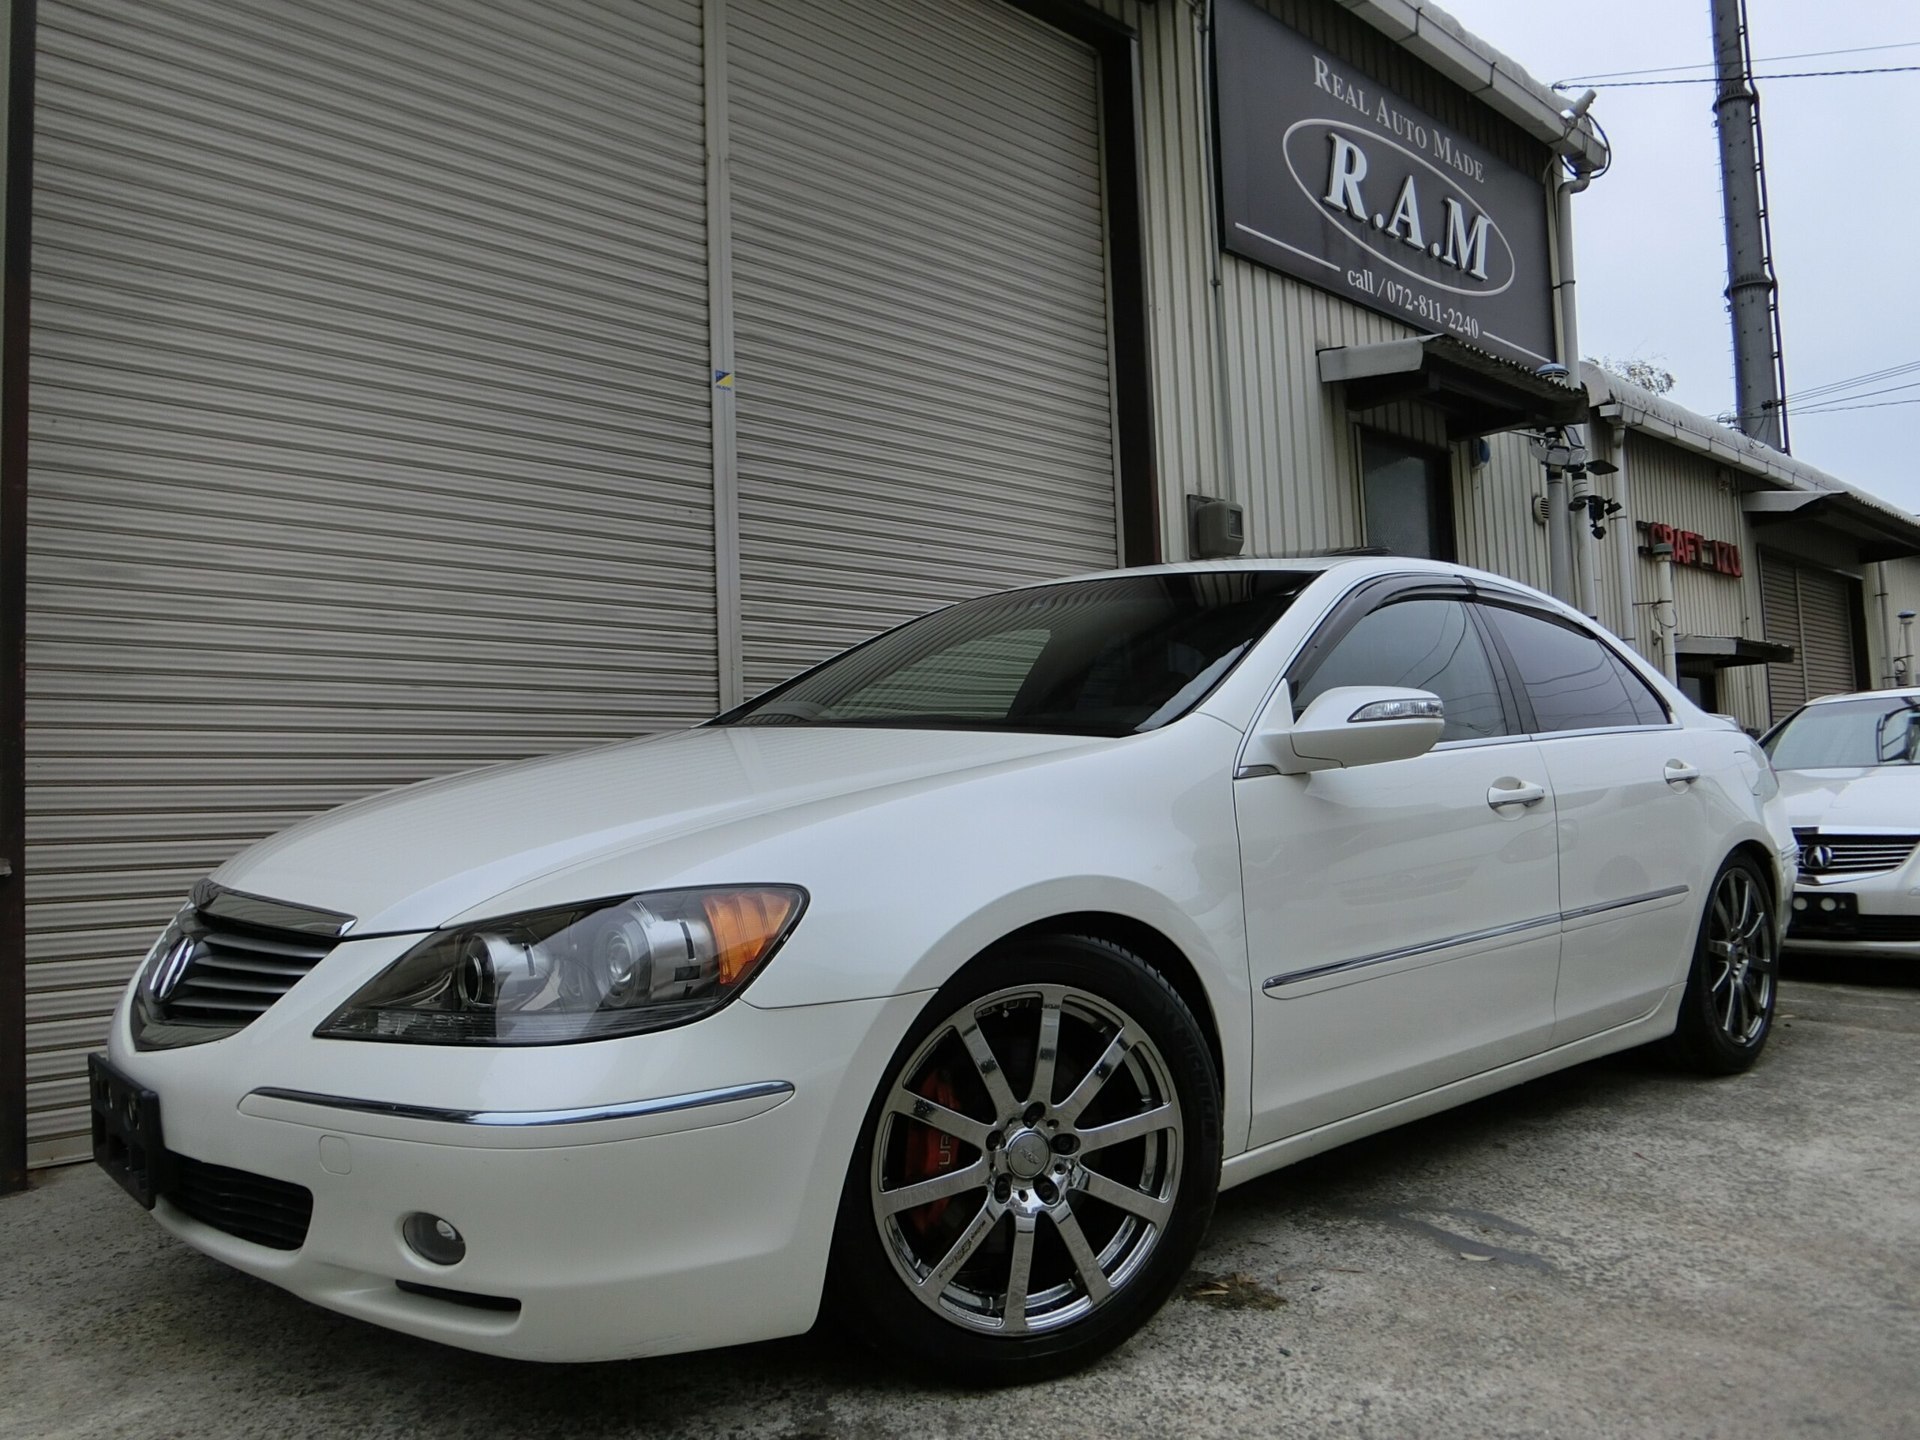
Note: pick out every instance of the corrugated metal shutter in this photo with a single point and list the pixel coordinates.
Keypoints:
(1812, 610)
(921, 314)
(370, 431)
(1780, 612)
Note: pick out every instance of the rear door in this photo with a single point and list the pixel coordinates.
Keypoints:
(1638, 835)
(1402, 918)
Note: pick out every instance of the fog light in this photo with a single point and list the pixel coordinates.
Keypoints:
(433, 1239)
(1799, 902)
(1829, 905)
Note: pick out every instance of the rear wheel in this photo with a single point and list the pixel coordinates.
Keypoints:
(1727, 1012)
(1037, 1169)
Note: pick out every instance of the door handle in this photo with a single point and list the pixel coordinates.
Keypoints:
(1678, 772)
(1514, 792)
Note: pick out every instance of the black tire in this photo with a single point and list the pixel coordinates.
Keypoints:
(1095, 1270)
(1727, 1011)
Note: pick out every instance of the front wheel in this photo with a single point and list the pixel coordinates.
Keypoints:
(1036, 1171)
(1727, 1012)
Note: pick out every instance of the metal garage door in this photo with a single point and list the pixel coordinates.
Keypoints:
(920, 304)
(1813, 611)
(370, 431)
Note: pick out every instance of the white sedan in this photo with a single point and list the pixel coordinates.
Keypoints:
(1849, 769)
(936, 993)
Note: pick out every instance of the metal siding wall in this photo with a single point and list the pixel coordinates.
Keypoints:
(1688, 491)
(1292, 435)
(1180, 253)
(370, 432)
(1903, 593)
(921, 314)
(1676, 487)
(1495, 510)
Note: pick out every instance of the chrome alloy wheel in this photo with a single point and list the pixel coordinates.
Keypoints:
(1027, 1161)
(1743, 948)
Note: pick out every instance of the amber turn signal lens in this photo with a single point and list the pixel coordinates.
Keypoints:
(745, 924)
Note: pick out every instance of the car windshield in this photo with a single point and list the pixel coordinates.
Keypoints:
(1088, 657)
(1881, 730)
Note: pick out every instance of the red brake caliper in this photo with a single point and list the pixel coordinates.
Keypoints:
(932, 1152)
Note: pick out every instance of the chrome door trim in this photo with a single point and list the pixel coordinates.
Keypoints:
(1585, 910)
(665, 1104)
(1469, 938)
(1382, 957)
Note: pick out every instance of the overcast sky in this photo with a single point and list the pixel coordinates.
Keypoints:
(1846, 217)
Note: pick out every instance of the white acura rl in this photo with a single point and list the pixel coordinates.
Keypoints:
(937, 992)
(1849, 768)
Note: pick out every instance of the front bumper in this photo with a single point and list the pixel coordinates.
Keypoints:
(1877, 913)
(647, 1229)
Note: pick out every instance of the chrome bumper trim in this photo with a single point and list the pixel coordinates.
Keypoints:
(665, 1104)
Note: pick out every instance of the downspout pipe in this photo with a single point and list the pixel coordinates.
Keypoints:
(1580, 587)
(1887, 669)
(1626, 552)
(1666, 620)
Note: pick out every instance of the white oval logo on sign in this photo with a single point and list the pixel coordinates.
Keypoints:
(1455, 233)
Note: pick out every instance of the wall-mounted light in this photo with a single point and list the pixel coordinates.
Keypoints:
(1559, 451)
(1598, 509)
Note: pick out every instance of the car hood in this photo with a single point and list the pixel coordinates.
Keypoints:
(412, 859)
(1877, 797)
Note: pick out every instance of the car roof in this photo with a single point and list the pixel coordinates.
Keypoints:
(1353, 566)
(1902, 693)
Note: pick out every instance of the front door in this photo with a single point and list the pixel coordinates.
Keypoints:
(1402, 918)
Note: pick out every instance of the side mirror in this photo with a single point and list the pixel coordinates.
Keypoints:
(1348, 726)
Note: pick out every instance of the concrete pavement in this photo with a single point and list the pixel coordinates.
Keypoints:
(1614, 1251)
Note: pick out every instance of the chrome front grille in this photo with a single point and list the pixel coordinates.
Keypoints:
(224, 962)
(234, 974)
(1823, 854)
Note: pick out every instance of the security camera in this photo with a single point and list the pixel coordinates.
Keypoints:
(1553, 370)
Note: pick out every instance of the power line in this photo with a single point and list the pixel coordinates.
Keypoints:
(1836, 409)
(1845, 401)
(1780, 75)
(1834, 388)
(1709, 64)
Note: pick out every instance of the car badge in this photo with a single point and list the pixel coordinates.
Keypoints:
(172, 968)
(1815, 858)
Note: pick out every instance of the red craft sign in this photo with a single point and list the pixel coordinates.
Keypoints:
(1720, 556)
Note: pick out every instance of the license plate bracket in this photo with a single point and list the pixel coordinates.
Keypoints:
(127, 1140)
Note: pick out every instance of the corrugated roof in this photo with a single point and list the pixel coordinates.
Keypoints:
(1653, 414)
(1495, 79)
(1644, 410)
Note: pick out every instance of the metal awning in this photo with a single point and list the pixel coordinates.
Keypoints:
(1479, 393)
(1878, 531)
(1723, 652)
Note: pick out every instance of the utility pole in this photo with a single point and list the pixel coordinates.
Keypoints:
(1753, 295)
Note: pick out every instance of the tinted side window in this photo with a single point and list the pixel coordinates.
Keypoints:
(1574, 682)
(1424, 645)
(1651, 709)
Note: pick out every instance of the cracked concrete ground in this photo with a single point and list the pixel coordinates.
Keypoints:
(1614, 1251)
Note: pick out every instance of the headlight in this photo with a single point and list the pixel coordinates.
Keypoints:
(593, 971)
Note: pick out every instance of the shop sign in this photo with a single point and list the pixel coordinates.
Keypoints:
(1332, 178)
(1720, 556)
